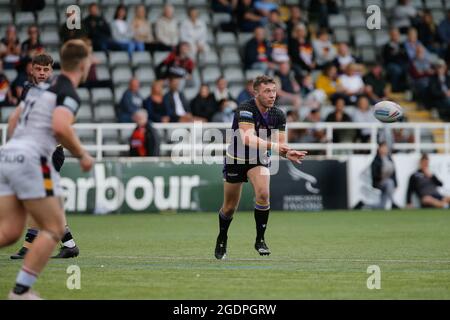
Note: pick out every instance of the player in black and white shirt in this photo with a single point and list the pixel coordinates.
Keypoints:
(41, 71)
(29, 183)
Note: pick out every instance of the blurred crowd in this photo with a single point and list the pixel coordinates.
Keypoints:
(292, 43)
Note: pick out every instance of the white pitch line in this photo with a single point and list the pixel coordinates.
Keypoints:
(280, 259)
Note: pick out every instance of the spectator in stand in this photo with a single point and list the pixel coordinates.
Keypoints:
(404, 15)
(439, 91)
(395, 59)
(10, 48)
(92, 80)
(154, 103)
(444, 30)
(313, 135)
(23, 76)
(339, 115)
(344, 57)
(122, 32)
(293, 135)
(265, 7)
(193, 31)
(420, 71)
(6, 96)
(352, 83)
(412, 43)
(145, 140)
(312, 97)
(280, 52)
(166, 30)
(177, 64)
(221, 92)
(424, 184)
(204, 105)
(176, 104)
(288, 89)
(66, 34)
(226, 113)
(142, 28)
(97, 28)
(301, 51)
(226, 6)
(428, 32)
(130, 103)
(364, 114)
(323, 49)
(32, 45)
(274, 22)
(328, 81)
(247, 93)
(383, 176)
(248, 17)
(258, 52)
(376, 84)
(296, 17)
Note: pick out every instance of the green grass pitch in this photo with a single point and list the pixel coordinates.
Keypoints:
(314, 256)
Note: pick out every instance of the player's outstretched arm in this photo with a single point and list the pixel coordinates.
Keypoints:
(65, 134)
(249, 138)
(290, 154)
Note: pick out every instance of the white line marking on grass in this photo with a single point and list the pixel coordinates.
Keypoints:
(280, 259)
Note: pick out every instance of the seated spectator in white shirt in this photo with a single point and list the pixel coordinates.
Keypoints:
(122, 32)
(352, 83)
(176, 103)
(363, 113)
(166, 30)
(344, 57)
(193, 31)
(323, 48)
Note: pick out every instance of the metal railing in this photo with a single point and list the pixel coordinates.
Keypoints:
(195, 132)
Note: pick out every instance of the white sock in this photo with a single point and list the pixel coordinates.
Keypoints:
(69, 244)
(26, 277)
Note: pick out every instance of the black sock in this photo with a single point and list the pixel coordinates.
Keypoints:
(31, 235)
(20, 289)
(261, 218)
(68, 237)
(224, 224)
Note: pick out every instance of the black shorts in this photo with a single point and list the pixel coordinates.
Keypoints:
(236, 173)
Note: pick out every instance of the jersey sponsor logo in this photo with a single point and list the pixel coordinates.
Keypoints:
(11, 158)
(246, 114)
(71, 103)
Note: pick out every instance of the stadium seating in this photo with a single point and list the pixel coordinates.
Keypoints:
(223, 59)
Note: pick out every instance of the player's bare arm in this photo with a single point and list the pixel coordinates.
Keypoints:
(13, 120)
(249, 138)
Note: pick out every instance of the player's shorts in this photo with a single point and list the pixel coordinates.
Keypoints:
(27, 175)
(237, 172)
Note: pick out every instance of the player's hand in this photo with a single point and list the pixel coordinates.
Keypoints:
(296, 156)
(86, 162)
(283, 148)
(58, 158)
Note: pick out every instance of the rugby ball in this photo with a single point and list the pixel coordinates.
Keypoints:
(387, 111)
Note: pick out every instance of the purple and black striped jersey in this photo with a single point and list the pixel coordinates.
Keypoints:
(265, 123)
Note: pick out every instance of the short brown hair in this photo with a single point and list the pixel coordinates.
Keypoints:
(72, 53)
(262, 80)
(43, 59)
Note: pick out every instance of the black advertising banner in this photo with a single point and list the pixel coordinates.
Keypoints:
(310, 186)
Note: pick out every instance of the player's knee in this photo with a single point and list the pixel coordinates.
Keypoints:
(9, 237)
(262, 197)
(228, 210)
(55, 231)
